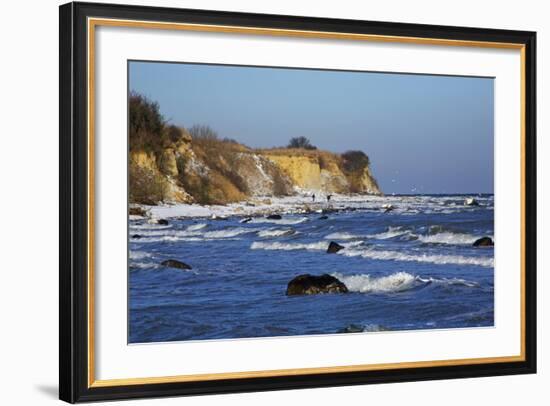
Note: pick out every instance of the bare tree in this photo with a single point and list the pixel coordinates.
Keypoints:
(300, 142)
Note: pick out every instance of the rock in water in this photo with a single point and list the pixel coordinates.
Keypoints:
(334, 247)
(172, 263)
(323, 218)
(471, 202)
(246, 220)
(136, 236)
(274, 217)
(352, 328)
(163, 222)
(484, 242)
(311, 285)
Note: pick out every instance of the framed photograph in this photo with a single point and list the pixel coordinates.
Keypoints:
(256, 202)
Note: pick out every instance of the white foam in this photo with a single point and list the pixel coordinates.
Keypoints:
(342, 236)
(228, 233)
(396, 282)
(139, 254)
(258, 245)
(364, 283)
(276, 232)
(283, 221)
(429, 258)
(390, 233)
(148, 226)
(196, 227)
(447, 237)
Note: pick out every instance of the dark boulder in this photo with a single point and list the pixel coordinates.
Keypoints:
(352, 328)
(162, 222)
(246, 220)
(312, 284)
(136, 236)
(334, 247)
(172, 263)
(274, 217)
(323, 218)
(484, 242)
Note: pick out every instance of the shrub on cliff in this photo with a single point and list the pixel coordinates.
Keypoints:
(146, 186)
(300, 142)
(146, 124)
(355, 161)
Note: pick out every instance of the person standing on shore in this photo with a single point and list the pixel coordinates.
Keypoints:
(328, 198)
(313, 197)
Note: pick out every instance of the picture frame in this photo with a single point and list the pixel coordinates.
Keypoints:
(79, 22)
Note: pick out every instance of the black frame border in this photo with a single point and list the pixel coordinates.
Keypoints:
(73, 197)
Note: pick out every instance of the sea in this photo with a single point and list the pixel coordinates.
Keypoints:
(408, 267)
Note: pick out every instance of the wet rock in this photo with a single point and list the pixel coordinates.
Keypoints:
(334, 247)
(215, 217)
(173, 263)
(312, 284)
(274, 217)
(352, 328)
(484, 242)
(162, 222)
(323, 218)
(246, 220)
(136, 236)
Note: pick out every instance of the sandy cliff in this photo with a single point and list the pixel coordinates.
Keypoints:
(219, 172)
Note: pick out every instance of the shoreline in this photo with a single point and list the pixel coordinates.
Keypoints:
(295, 205)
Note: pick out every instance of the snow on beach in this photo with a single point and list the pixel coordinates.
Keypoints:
(304, 204)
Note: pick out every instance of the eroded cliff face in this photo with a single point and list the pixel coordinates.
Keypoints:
(220, 172)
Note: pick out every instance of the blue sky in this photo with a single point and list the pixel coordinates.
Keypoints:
(423, 133)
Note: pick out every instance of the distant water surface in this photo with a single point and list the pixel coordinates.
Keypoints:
(412, 268)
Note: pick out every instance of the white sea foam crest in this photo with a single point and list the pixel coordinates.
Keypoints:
(341, 236)
(276, 232)
(148, 226)
(390, 233)
(365, 283)
(195, 227)
(447, 237)
(428, 258)
(259, 245)
(283, 221)
(139, 254)
(396, 282)
(228, 233)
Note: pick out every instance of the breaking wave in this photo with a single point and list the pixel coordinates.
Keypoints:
(447, 237)
(275, 232)
(283, 221)
(196, 227)
(428, 258)
(341, 236)
(258, 245)
(228, 233)
(396, 282)
(390, 233)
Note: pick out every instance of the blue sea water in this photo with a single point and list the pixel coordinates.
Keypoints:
(411, 268)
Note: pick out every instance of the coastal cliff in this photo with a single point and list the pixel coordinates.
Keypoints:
(220, 172)
(172, 164)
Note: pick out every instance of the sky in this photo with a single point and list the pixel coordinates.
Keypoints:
(422, 133)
